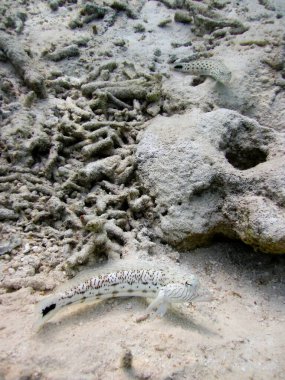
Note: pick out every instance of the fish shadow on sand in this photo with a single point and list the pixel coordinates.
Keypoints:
(78, 315)
(179, 318)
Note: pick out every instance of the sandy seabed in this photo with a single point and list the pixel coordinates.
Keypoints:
(240, 334)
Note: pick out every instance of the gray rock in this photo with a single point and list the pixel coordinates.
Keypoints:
(6, 246)
(215, 173)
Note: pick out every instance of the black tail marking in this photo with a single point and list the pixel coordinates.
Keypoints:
(47, 309)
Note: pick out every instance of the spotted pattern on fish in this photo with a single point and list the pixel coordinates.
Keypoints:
(160, 284)
(210, 67)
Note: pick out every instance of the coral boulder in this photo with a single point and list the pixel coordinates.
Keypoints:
(215, 173)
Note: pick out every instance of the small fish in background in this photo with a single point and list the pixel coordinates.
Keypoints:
(210, 67)
(166, 286)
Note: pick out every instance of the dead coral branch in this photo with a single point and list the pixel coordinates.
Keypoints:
(22, 64)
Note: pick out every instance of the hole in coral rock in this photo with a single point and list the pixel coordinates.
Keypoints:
(244, 159)
(39, 152)
(124, 138)
(244, 144)
(124, 206)
(11, 290)
(198, 80)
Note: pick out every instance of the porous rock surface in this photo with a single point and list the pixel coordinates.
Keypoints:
(215, 173)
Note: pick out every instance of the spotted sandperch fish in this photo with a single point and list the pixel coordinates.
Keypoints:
(210, 67)
(164, 285)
